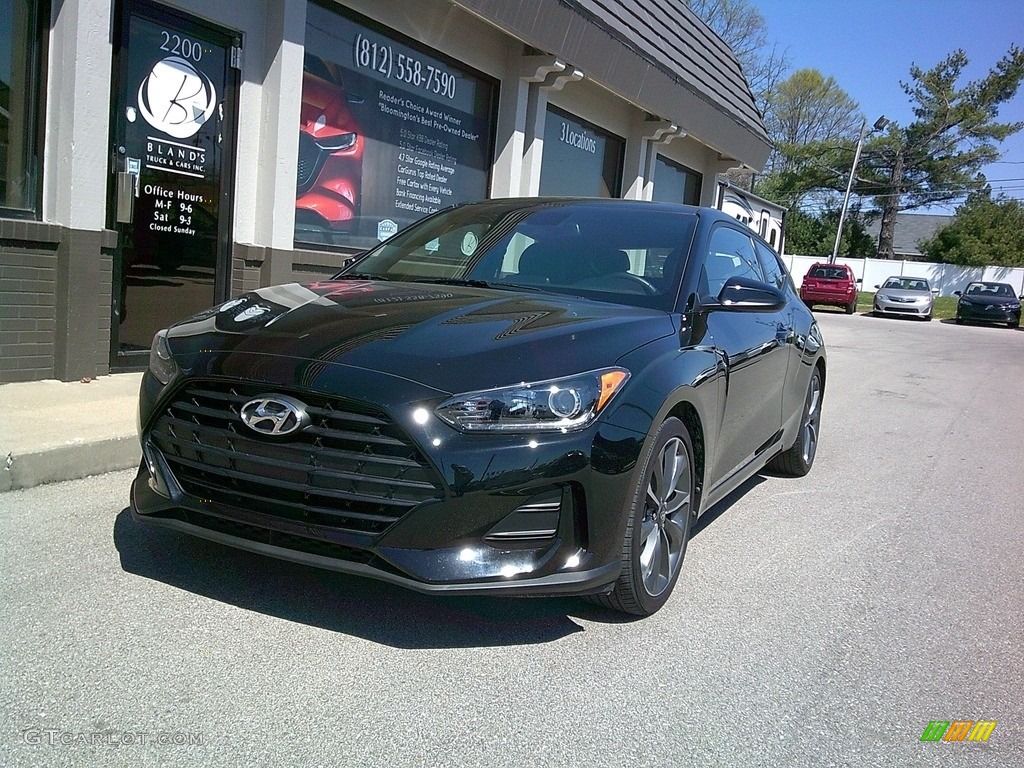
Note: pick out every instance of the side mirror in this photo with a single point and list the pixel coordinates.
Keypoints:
(878, 286)
(743, 294)
(859, 280)
(958, 293)
(935, 291)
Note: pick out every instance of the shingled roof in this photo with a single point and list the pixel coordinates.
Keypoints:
(911, 228)
(656, 54)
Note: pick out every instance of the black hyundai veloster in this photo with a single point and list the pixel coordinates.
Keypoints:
(524, 396)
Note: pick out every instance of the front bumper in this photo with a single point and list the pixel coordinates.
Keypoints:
(987, 314)
(884, 306)
(269, 537)
(523, 514)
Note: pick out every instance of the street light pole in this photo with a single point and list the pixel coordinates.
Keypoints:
(880, 123)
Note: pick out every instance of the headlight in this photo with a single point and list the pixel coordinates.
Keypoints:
(883, 297)
(336, 143)
(557, 404)
(1013, 307)
(161, 363)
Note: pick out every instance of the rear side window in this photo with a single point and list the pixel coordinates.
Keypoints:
(774, 272)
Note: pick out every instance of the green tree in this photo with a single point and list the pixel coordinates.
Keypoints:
(810, 234)
(808, 113)
(938, 157)
(984, 232)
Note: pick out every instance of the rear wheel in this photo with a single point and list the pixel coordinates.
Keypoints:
(797, 461)
(851, 307)
(658, 527)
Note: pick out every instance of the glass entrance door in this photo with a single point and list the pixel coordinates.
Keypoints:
(170, 200)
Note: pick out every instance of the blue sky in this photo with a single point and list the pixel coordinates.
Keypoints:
(870, 45)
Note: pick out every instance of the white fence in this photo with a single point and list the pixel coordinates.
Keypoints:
(946, 277)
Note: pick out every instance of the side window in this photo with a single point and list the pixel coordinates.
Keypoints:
(22, 80)
(730, 254)
(774, 272)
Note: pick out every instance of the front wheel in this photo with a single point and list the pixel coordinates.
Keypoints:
(658, 527)
(797, 461)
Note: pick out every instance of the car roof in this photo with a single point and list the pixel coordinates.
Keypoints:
(516, 203)
(906, 277)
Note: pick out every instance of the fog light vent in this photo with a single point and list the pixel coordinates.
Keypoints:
(535, 520)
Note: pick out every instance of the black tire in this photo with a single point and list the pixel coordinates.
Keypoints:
(927, 318)
(876, 313)
(798, 460)
(851, 307)
(658, 528)
(959, 321)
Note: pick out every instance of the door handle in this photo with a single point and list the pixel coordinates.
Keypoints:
(125, 197)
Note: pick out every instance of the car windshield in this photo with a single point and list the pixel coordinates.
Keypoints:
(830, 273)
(626, 254)
(907, 284)
(990, 289)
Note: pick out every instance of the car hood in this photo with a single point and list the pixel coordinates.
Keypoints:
(986, 300)
(449, 338)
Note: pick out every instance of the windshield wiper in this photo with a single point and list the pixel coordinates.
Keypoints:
(455, 281)
(363, 276)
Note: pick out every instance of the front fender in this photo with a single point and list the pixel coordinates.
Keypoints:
(691, 376)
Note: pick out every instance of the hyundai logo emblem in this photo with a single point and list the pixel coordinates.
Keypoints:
(275, 415)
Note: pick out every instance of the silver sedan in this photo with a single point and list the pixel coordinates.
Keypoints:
(911, 296)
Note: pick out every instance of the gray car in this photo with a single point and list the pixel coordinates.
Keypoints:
(911, 296)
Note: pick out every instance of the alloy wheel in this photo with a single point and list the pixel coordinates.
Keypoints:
(812, 419)
(663, 531)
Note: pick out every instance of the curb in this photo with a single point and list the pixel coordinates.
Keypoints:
(69, 462)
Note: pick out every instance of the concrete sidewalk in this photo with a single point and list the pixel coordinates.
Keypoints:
(52, 430)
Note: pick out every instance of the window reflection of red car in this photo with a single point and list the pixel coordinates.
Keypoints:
(330, 158)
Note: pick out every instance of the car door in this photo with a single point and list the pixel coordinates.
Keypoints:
(754, 345)
(795, 384)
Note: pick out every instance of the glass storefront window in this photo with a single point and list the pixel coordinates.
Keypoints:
(388, 133)
(579, 158)
(20, 88)
(675, 184)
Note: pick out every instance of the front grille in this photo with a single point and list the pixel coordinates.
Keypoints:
(258, 535)
(353, 468)
(311, 161)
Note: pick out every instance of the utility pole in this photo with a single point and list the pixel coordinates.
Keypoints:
(880, 123)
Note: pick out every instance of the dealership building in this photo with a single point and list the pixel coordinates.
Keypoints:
(159, 157)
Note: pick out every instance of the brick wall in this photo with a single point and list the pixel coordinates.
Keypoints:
(28, 281)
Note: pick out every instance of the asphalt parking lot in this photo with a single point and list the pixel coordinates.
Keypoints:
(820, 621)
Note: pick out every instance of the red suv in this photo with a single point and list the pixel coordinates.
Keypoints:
(831, 284)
